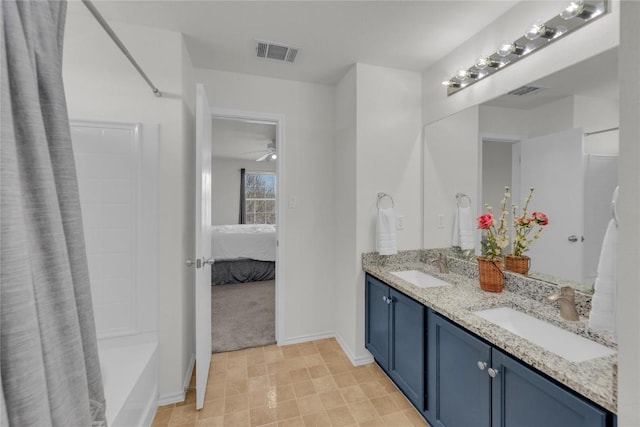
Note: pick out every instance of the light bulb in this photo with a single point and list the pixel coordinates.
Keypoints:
(540, 30)
(508, 48)
(486, 61)
(574, 9)
(462, 74)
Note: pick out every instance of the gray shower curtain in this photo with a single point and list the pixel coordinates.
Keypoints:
(49, 368)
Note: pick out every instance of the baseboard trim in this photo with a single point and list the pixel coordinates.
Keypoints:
(355, 361)
(179, 396)
(306, 338)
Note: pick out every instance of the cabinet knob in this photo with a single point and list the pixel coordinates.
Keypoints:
(389, 300)
(384, 298)
(482, 365)
(493, 372)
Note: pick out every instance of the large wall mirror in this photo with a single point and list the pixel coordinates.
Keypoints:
(558, 135)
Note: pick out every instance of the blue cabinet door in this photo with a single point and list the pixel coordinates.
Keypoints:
(377, 309)
(524, 398)
(406, 363)
(459, 388)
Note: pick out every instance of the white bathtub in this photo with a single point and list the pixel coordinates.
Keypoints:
(130, 377)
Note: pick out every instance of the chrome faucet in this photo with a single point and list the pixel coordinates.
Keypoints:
(442, 264)
(567, 301)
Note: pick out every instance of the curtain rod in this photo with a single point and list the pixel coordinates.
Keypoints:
(119, 43)
(600, 131)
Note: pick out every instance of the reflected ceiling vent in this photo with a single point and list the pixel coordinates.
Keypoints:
(526, 90)
(277, 52)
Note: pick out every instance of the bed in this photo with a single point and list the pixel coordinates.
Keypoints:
(243, 253)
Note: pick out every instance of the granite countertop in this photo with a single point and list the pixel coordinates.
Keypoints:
(595, 379)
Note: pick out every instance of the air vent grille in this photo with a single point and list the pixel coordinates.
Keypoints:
(277, 52)
(526, 90)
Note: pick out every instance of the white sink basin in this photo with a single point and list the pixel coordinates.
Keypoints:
(420, 279)
(550, 337)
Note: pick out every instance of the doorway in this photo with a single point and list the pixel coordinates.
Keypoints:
(247, 181)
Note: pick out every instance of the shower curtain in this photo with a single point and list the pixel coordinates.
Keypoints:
(49, 368)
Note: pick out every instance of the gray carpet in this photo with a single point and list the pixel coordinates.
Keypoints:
(243, 315)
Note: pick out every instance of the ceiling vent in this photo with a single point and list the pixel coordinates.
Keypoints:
(526, 90)
(277, 52)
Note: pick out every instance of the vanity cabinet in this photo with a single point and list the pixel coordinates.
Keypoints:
(395, 336)
(474, 383)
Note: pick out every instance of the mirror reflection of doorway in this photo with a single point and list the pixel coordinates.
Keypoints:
(244, 200)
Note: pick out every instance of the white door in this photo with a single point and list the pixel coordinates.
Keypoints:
(203, 243)
(553, 165)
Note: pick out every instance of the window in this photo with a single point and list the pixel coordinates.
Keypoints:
(260, 198)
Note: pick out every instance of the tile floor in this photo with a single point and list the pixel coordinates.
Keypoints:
(308, 384)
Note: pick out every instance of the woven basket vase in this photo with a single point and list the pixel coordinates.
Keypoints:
(517, 264)
(490, 274)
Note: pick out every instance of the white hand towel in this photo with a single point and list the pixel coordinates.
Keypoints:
(386, 232)
(603, 303)
(463, 229)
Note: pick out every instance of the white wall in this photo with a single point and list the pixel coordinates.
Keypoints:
(597, 37)
(225, 187)
(309, 129)
(345, 258)
(450, 167)
(629, 228)
(496, 173)
(596, 114)
(101, 84)
(388, 159)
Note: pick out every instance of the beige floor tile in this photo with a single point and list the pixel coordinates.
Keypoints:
(212, 408)
(303, 388)
(310, 404)
(318, 371)
(291, 422)
(286, 410)
(415, 418)
(262, 415)
(331, 399)
(298, 375)
(318, 419)
(353, 393)
(237, 419)
(237, 403)
(183, 415)
(234, 387)
(324, 384)
(257, 370)
(345, 379)
(400, 400)
(340, 416)
(362, 411)
(396, 419)
(372, 389)
(211, 422)
(384, 406)
(375, 422)
(259, 398)
(313, 360)
(308, 384)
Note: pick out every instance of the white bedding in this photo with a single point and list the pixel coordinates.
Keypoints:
(255, 241)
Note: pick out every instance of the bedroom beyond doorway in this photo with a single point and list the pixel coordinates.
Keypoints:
(244, 201)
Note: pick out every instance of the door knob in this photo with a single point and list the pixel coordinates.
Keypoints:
(493, 372)
(573, 238)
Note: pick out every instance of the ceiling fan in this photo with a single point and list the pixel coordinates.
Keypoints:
(270, 153)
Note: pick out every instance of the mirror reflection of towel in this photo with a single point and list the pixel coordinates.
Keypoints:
(386, 232)
(463, 229)
(603, 303)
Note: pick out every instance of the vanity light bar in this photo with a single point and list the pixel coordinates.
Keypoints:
(576, 15)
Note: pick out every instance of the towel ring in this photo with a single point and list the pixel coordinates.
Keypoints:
(382, 196)
(460, 196)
